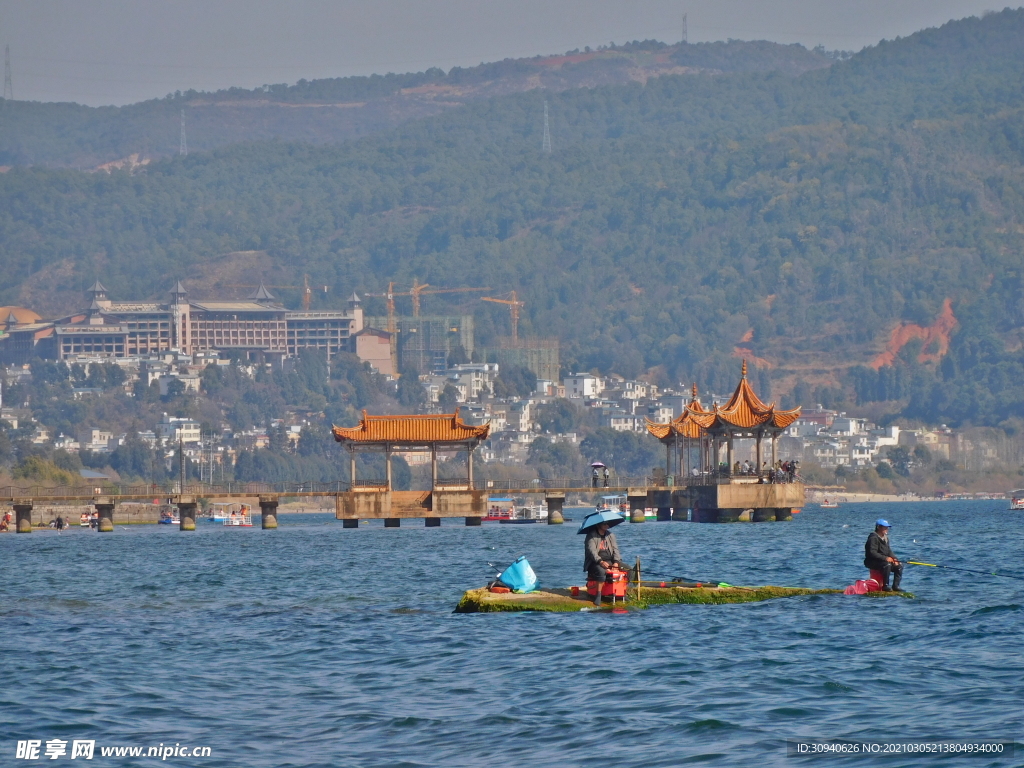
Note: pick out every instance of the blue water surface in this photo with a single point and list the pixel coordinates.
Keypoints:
(313, 645)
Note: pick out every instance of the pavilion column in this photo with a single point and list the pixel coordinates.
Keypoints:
(471, 468)
(387, 464)
(433, 467)
(728, 452)
(668, 460)
(759, 434)
(775, 442)
(352, 468)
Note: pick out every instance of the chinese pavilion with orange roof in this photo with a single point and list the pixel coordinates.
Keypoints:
(744, 416)
(431, 432)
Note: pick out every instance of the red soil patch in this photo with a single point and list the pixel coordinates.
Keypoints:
(936, 332)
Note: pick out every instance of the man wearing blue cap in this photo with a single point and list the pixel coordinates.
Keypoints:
(878, 555)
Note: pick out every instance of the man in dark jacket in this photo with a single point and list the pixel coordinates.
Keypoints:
(600, 552)
(878, 555)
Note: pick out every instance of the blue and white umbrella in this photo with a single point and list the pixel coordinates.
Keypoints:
(594, 519)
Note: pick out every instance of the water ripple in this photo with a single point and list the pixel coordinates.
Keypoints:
(318, 646)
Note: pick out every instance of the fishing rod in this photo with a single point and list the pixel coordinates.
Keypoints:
(966, 570)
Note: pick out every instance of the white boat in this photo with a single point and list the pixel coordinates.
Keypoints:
(826, 504)
(220, 511)
(1017, 499)
(242, 519)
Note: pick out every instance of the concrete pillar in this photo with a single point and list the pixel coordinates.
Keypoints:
(268, 512)
(729, 515)
(636, 508)
(105, 507)
(432, 522)
(392, 522)
(704, 515)
(23, 516)
(187, 513)
(555, 509)
(783, 515)
(664, 514)
(474, 521)
(764, 515)
(349, 523)
(681, 514)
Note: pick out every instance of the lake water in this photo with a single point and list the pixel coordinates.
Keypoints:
(313, 645)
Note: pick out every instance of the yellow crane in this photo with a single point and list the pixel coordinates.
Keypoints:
(418, 289)
(392, 328)
(307, 291)
(513, 304)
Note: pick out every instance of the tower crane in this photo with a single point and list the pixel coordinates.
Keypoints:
(513, 304)
(392, 328)
(418, 289)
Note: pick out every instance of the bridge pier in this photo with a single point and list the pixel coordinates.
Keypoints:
(349, 523)
(555, 503)
(23, 515)
(783, 515)
(472, 521)
(392, 522)
(763, 515)
(105, 508)
(432, 522)
(662, 501)
(268, 512)
(187, 513)
(637, 505)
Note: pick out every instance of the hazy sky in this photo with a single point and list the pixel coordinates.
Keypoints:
(120, 51)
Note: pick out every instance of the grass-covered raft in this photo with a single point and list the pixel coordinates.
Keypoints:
(562, 601)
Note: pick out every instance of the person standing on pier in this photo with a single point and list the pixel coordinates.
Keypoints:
(878, 555)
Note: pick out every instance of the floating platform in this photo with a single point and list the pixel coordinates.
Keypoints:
(564, 601)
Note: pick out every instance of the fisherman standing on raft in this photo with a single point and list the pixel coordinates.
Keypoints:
(878, 555)
(600, 549)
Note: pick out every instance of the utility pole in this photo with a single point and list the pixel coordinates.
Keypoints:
(183, 149)
(8, 85)
(546, 143)
(181, 465)
(685, 38)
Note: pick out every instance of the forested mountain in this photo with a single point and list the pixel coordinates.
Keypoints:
(333, 110)
(809, 222)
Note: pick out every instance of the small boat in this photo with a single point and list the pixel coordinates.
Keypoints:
(499, 510)
(826, 504)
(1017, 499)
(84, 520)
(242, 519)
(169, 517)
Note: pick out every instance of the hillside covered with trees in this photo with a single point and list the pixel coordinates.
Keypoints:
(798, 220)
(337, 109)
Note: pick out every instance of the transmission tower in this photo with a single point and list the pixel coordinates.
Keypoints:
(8, 86)
(685, 39)
(546, 145)
(183, 149)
